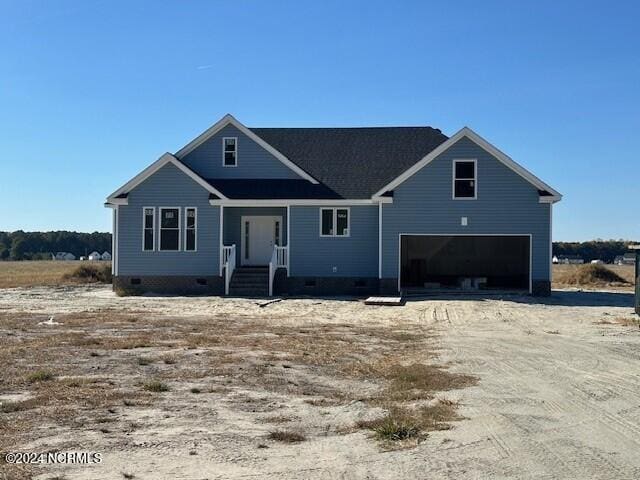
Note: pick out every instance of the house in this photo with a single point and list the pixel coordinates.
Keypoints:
(568, 259)
(315, 211)
(95, 256)
(106, 256)
(626, 259)
(65, 256)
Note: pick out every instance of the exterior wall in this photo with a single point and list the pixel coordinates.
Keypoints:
(253, 160)
(168, 187)
(232, 217)
(124, 285)
(314, 256)
(506, 204)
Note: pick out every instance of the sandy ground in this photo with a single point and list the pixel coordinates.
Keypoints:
(558, 395)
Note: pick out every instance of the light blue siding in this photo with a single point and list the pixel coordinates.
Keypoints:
(232, 232)
(168, 187)
(253, 160)
(353, 256)
(506, 204)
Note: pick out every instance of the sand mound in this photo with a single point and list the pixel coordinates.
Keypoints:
(590, 274)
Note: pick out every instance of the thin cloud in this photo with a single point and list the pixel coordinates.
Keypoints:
(203, 67)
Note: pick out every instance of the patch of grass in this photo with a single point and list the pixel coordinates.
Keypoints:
(156, 387)
(128, 476)
(144, 361)
(195, 390)
(402, 423)
(21, 406)
(40, 376)
(552, 332)
(278, 419)
(169, 359)
(90, 273)
(590, 275)
(286, 436)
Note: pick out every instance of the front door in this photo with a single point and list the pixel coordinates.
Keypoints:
(259, 235)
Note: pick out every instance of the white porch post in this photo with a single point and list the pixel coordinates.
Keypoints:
(288, 240)
(221, 237)
(380, 240)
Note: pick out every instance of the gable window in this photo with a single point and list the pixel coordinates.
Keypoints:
(190, 233)
(169, 229)
(465, 185)
(148, 229)
(334, 222)
(230, 151)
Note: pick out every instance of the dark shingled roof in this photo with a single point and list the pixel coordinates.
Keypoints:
(351, 163)
(277, 189)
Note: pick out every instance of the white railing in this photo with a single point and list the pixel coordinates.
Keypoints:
(279, 259)
(229, 262)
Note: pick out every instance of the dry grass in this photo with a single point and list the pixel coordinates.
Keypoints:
(90, 273)
(102, 361)
(34, 273)
(286, 436)
(594, 276)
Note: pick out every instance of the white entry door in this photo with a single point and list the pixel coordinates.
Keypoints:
(259, 235)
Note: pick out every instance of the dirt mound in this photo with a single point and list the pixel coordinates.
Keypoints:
(590, 274)
(91, 273)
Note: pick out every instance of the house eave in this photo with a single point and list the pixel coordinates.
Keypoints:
(299, 202)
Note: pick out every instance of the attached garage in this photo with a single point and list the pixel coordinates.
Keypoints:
(465, 262)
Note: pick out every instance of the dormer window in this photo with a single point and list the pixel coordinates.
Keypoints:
(465, 184)
(230, 151)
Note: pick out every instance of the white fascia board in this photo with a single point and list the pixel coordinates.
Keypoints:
(153, 168)
(482, 143)
(286, 203)
(229, 119)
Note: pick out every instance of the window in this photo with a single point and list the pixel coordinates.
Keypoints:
(334, 222)
(465, 185)
(229, 151)
(190, 232)
(148, 228)
(170, 229)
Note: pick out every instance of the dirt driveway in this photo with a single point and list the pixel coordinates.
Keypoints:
(557, 393)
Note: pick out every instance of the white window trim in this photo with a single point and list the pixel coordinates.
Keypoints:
(160, 209)
(335, 222)
(235, 139)
(475, 178)
(153, 229)
(195, 229)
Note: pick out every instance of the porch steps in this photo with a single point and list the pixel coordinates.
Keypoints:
(250, 282)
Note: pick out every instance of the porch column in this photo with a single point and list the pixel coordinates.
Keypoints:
(221, 238)
(288, 240)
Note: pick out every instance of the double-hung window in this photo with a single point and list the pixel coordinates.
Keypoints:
(334, 222)
(230, 151)
(191, 226)
(169, 229)
(148, 229)
(465, 182)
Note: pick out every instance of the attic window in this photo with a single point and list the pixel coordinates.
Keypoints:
(230, 151)
(465, 185)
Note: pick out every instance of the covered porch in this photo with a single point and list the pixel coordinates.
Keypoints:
(254, 244)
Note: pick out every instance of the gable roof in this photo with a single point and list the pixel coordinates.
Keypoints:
(272, 189)
(229, 119)
(482, 143)
(354, 162)
(120, 195)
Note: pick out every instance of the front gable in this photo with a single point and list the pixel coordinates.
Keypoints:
(255, 157)
(252, 161)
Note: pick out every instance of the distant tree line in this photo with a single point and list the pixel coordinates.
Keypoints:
(605, 250)
(21, 245)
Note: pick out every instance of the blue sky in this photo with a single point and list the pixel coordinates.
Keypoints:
(92, 92)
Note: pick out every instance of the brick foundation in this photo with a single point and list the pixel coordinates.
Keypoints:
(324, 286)
(165, 284)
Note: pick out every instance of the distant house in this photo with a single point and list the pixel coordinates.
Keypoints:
(626, 259)
(597, 262)
(95, 256)
(568, 259)
(106, 256)
(64, 256)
